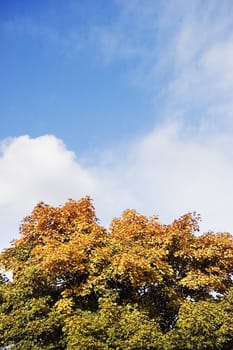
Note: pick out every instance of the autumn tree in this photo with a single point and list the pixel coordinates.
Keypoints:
(137, 285)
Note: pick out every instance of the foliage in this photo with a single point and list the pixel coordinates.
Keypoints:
(139, 285)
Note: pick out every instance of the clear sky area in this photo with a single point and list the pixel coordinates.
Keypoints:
(130, 102)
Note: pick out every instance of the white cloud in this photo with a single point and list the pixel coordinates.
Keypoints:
(167, 173)
(37, 169)
(163, 173)
(179, 174)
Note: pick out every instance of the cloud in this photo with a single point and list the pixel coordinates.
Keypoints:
(67, 42)
(203, 66)
(182, 53)
(163, 173)
(112, 44)
(37, 169)
(172, 174)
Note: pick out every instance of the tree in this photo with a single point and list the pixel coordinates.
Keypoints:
(139, 285)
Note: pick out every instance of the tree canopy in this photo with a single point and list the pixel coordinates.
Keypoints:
(138, 285)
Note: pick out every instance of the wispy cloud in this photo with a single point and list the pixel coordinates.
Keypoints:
(112, 44)
(66, 42)
(183, 52)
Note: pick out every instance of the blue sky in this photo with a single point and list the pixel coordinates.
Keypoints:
(130, 102)
(54, 78)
